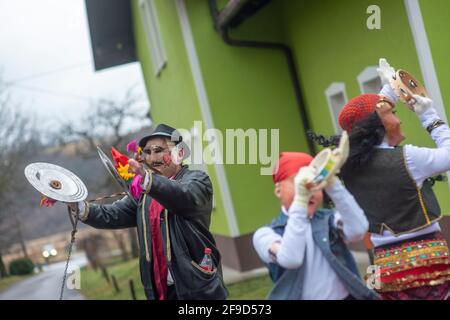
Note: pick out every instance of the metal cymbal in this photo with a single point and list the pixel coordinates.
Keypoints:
(56, 182)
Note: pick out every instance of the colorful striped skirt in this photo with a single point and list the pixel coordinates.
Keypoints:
(417, 268)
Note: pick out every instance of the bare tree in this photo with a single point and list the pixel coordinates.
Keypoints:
(19, 139)
(109, 122)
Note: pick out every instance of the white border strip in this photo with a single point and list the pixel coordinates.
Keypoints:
(206, 112)
(425, 57)
(424, 53)
(334, 89)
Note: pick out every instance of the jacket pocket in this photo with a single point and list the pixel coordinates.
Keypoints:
(203, 271)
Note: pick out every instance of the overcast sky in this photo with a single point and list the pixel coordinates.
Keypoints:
(45, 56)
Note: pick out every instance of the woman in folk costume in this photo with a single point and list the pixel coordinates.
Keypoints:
(390, 183)
(304, 246)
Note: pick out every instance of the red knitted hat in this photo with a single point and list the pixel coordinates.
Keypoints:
(357, 109)
(289, 164)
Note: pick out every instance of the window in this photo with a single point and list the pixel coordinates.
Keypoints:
(153, 35)
(369, 81)
(336, 98)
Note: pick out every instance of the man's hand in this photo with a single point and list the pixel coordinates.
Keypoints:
(385, 71)
(136, 167)
(73, 206)
(420, 104)
(303, 184)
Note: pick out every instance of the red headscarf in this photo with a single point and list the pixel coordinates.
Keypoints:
(289, 164)
(357, 109)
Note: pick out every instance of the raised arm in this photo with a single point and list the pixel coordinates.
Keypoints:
(422, 162)
(193, 193)
(354, 222)
(289, 250)
(426, 162)
(120, 214)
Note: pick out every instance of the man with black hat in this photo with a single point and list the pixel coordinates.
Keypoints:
(172, 216)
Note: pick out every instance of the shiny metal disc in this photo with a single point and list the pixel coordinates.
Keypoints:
(56, 182)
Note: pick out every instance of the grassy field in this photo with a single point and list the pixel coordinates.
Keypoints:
(253, 289)
(6, 282)
(95, 287)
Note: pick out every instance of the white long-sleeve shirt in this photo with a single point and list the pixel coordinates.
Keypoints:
(422, 163)
(321, 282)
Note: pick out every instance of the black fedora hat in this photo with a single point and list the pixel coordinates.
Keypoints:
(163, 130)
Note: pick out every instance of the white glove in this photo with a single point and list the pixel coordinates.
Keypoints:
(385, 71)
(420, 104)
(302, 182)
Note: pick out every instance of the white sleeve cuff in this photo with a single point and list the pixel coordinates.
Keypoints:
(263, 239)
(428, 116)
(389, 92)
(83, 209)
(147, 181)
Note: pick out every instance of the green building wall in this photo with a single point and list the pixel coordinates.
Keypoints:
(248, 88)
(332, 44)
(251, 88)
(436, 16)
(172, 94)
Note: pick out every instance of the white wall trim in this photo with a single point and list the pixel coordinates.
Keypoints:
(153, 35)
(425, 58)
(368, 74)
(424, 53)
(206, 112)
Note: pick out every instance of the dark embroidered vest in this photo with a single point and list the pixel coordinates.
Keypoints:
(389, 196)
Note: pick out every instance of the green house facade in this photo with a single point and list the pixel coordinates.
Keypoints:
(280, 67)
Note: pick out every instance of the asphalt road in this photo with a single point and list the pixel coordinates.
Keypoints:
(47, 284)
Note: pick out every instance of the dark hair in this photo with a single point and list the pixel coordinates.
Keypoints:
(366, 134)
(322, 140)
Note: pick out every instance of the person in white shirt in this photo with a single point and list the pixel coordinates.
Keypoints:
(392, 185)
(304, 246)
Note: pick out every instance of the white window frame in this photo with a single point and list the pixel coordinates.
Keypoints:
(335, 89)
(153, 35)
(369, 74)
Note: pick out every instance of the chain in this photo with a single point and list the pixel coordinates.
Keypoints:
(72, 241)
(117, 194)
(74, 221)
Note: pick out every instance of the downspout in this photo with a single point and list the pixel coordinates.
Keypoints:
(221, 22)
